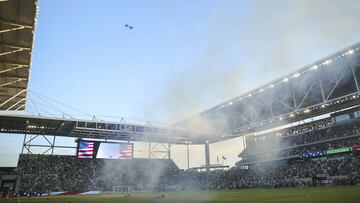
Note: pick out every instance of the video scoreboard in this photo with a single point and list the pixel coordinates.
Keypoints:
(89, 149)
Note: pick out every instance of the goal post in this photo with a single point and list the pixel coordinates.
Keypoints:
(122, 188)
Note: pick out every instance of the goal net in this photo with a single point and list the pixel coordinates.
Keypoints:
(122, 188)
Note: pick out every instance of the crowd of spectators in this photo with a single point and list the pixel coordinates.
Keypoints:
(275, 145)
(297, 151)
(8, 171)
(66, 173)
(46, 173)
(336, 170)
(269, 162)
(7, 180)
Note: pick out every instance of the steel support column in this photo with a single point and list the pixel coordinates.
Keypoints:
(322, 90)
(23, 145)
(169, 151)
(187, 153)
(207, 163)
(207, 156)
(53, 145)
(355, 78)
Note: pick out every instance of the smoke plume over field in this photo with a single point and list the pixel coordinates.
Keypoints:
(146, 174)
(240, 51)
(277, 37)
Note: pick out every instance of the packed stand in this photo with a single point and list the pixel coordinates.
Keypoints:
(269, 162)
(46, 173)
(337, 170)
(275, 145)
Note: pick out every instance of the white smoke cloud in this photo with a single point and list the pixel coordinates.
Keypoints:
(276, 38)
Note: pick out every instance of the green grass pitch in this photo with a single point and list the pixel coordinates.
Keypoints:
(349, 194)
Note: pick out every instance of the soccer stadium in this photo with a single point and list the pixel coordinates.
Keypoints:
(299, 132)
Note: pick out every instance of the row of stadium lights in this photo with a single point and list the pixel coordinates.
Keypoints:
(28, 127)
(296, 75)
(40, 127)
(19, 131)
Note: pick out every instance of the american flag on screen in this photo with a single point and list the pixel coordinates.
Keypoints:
(86, 149)
(126, 151)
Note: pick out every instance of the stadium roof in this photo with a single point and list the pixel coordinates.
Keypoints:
(17, 23)
(13, 123)
(325, 86)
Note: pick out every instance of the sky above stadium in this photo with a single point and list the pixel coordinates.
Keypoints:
(181, 58)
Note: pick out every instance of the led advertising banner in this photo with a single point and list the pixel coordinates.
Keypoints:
(312, 154)
(356, 148)
(339, 150)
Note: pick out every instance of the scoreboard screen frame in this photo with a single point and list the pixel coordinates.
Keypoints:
(96, 147)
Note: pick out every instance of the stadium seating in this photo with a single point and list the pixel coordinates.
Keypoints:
(47, 173)
(300, 157)
(291, 145)
(338, 170)
(324, 154)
